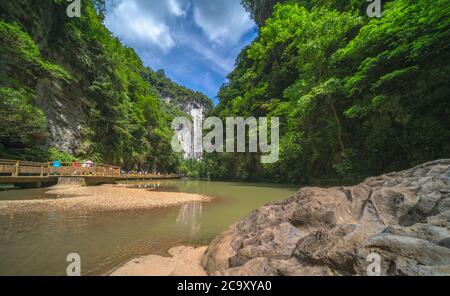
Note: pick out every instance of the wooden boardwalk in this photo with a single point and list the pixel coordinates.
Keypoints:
(19, 172)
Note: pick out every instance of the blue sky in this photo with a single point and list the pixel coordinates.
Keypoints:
(196, 42)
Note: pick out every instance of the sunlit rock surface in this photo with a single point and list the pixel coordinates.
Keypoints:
(401, 217)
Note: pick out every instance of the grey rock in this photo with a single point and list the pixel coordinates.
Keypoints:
(276, 242)
(403, 217)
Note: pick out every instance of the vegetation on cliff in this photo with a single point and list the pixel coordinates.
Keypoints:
(356, 96)
(74, 73)
(177, 96)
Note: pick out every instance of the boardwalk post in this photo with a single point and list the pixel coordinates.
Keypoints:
(16, 170)
(42, 171)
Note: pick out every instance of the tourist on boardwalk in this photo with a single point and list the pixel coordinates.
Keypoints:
(76, 165)
(57, 164)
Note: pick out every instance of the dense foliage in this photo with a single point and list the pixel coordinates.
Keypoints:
(263, 9)
(124, 118)
(356, 96)
(177, 96)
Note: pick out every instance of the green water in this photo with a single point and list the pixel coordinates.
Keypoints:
(38, 244)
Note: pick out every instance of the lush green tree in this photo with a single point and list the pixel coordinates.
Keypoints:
(356, 96)
(125, 118)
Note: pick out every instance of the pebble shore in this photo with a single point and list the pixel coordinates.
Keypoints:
(99, 198)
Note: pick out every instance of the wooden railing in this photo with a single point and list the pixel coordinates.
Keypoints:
(17, 168)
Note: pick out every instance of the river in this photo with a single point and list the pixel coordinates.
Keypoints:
(38, 244)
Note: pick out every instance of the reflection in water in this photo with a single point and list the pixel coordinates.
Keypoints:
(38, 243)
(154, 186)
(189, 217)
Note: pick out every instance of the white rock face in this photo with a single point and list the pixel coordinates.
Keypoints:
(197, 116)
(194, 149)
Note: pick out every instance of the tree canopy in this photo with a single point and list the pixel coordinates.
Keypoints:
(357, 96)
(101, 83)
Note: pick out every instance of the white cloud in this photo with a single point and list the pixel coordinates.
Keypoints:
(195, 40)
(150, 22)
(220, 63)
(175, 8)
(143, 23)
(223, 21)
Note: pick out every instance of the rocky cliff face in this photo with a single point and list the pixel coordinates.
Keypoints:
(62, 103)
(194, 151)
(65, 114)
(197, 111)
(260, 9)
(403, 218)
(193, 104)
(97, 110)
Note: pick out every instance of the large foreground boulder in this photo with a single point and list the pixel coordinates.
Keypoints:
(402, 218)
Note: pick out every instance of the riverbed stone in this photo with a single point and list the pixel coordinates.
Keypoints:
(402, 216)
(183, 261)
(276, 242)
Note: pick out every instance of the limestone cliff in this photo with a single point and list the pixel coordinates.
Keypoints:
(62, 103)
(194, 104)
(96, 97)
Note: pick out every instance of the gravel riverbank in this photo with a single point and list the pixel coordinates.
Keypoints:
(99, 198)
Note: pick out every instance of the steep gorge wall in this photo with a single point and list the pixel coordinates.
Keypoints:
(261, 10)
(62, 103)
(356, 96)
(98, 99)
(194, 104)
